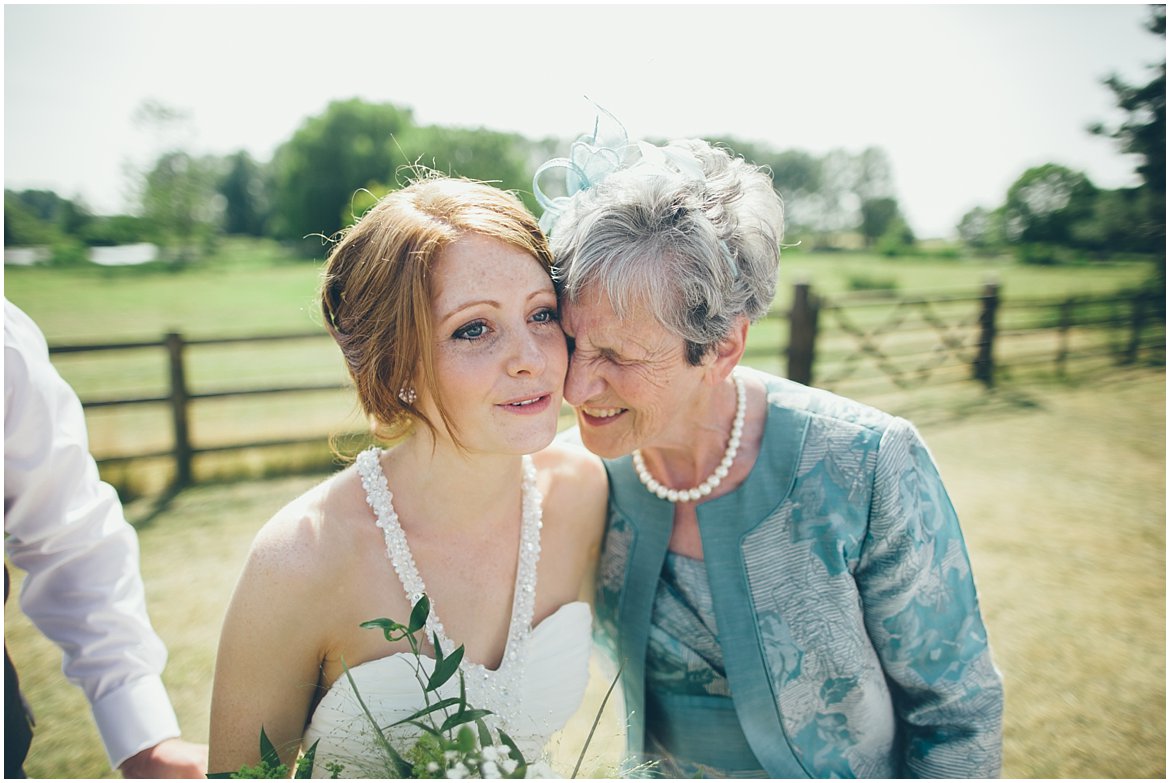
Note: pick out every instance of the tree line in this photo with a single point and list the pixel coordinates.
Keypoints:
(337, 163)
(1052, 212)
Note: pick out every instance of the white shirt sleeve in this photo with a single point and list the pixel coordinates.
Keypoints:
(66, 529)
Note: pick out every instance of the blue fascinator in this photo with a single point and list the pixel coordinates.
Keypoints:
(594, 156)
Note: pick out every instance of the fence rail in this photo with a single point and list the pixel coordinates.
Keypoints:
(838, 342)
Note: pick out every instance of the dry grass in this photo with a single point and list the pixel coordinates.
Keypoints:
(1062, 493)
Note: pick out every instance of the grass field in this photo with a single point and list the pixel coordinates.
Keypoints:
(249, 288)
(1062, 495)
(1061, 488)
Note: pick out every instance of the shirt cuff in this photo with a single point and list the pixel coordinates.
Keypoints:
(135, 717)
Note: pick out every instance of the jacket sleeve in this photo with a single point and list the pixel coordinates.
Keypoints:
(922, 614)
(65, 528)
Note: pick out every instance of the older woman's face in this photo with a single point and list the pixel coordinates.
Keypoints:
(628, 378)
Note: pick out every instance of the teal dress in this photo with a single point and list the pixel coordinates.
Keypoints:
(840, 633)
(691, 726)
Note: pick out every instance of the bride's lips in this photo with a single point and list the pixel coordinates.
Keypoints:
(600, 417)
(527, 406)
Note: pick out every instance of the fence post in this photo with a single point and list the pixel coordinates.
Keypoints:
(1066, 321)
(802, 334)
(1137, 322)
(179, 400)
(984, 367)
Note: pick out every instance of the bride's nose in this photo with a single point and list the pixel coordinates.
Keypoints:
(527, 356)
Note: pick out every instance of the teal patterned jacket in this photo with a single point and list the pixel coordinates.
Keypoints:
(846, 609)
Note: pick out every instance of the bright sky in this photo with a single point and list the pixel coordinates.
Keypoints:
(962, 98)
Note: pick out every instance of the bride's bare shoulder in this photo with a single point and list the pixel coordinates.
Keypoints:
(311, 536)
(573, 480)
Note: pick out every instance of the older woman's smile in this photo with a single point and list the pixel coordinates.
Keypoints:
(601, 414)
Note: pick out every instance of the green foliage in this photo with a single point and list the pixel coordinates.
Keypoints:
(1046, 203)
(41, 217)
(179, 201)
(897, 239)
(362, 201)
(823, 196)
(862, 281)
(245, 190)
(332, 155)
(982, 229)
(116, 230)
(882, 219)
(1143, 133)
(68, 251)
(1038, 253)
(447, 749)
(475, 153)
(26, 222)
(1051, 209)
(271, 766)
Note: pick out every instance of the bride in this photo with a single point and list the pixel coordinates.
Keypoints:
(442, 302)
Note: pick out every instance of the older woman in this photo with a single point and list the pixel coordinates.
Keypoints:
(783, 572)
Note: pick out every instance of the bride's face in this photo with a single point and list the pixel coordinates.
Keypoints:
(500, 354)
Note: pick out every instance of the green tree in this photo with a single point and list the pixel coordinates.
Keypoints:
(476, 153)
(1143, 133)
(332, 155)
(877, 217)
(175, 190)
(245, 192)
(982, 229)
(116, 230)
(29, 220)
(180, 203)
(1045, 204)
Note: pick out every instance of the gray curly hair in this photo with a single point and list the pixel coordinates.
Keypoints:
(698, 253)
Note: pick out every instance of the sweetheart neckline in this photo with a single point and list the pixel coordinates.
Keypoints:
(430, 658)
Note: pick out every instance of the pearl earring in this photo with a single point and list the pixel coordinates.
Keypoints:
(407, 395)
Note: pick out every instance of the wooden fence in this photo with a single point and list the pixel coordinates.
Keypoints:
(848, 343)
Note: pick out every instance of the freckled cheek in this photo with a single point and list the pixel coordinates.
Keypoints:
(461, 370)
(557, 352)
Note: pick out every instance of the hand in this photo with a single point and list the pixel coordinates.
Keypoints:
(172, 758)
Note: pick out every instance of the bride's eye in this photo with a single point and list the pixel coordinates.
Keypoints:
(545, 316)
(472, 331)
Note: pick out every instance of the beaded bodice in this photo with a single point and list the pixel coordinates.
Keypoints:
(496, 690)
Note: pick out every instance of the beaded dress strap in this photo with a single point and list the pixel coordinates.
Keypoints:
(380, 498)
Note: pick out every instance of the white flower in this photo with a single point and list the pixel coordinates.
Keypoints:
(432, 766)
(457, 772)
(508, 764)
(489, 753)
(450, 755)
(490, 770)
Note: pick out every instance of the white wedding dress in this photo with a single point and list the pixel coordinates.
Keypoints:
(538, 686)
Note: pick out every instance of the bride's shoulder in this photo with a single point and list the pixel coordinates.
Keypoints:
(572, 479)
(571, 464)
(311, 536)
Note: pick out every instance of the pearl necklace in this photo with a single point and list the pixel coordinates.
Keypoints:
(716, 478)
(497, 690)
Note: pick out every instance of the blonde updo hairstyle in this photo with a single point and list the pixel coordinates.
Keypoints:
(377, 289)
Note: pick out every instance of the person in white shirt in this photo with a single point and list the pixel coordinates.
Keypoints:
(66, 529)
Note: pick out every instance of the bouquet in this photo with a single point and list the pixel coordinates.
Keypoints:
(453, 741)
